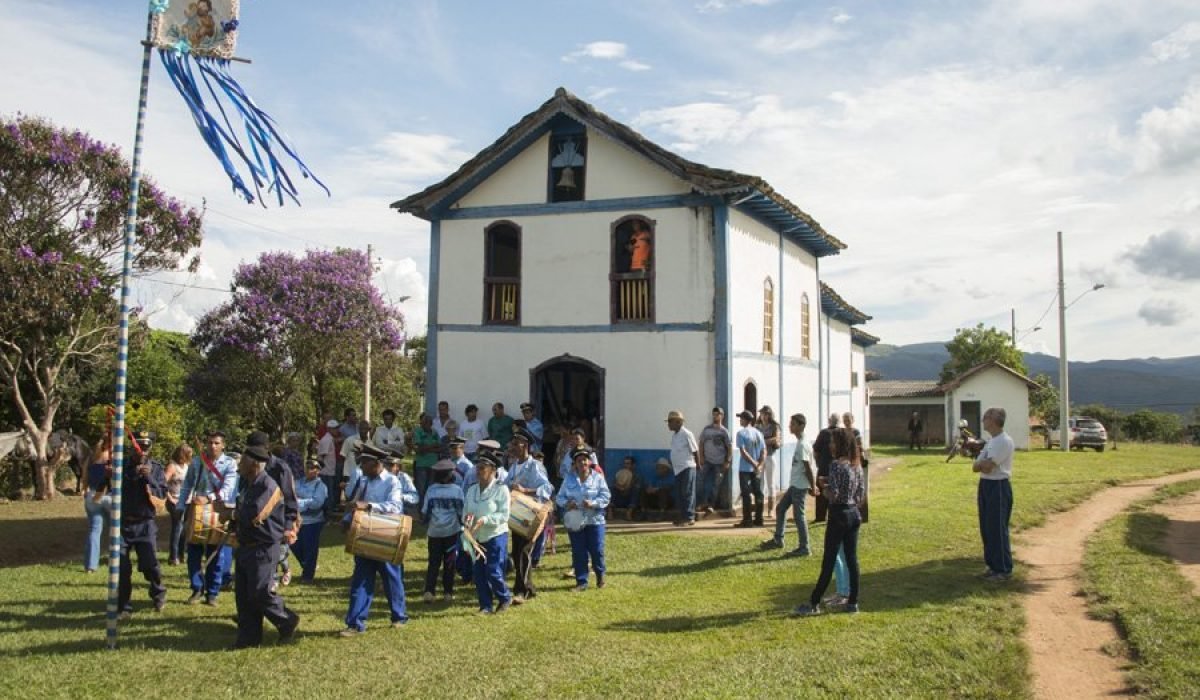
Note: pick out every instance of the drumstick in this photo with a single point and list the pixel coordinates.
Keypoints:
(475, 546)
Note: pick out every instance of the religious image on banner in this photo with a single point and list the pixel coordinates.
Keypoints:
(199, 27)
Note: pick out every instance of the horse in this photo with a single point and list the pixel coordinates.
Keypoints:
(69, 447)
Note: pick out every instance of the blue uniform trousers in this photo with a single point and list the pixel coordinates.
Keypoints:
(139, 537)
(587, 543)
(362, 591)
(254, 591)
(307, 547)
(210, 580)
(489, 572)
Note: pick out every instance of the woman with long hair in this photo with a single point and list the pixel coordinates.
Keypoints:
(176, 474)
(97, 502)
(844, 489)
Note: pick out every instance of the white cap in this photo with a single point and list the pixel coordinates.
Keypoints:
(331, 423)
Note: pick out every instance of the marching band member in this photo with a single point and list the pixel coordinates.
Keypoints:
(212, 476)
(376, 491)
(281, 474)
(528, 477)
(584, 496)
(485, 521)
(311, 494)
(139, 532)
(462, 465)
(261, 522)
(442, 511)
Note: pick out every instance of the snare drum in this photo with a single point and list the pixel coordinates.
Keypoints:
(379, 536)
(207, 527)
(526, 516)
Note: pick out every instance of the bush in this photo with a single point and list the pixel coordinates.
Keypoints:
(1152, 426)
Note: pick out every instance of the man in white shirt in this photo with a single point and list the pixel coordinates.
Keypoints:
(472, 429)
(801, 483)
(684, 459)
(389, 437)
(350, 450)
(442, 418)
(995, 497)
(327, 453)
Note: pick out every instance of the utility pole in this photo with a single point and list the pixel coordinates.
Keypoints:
(1014, 328)
(1064, 397)
(367, 372)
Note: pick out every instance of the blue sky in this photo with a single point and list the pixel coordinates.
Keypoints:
(945, 142)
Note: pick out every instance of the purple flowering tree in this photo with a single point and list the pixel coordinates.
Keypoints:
(62, 213)
(296, 326)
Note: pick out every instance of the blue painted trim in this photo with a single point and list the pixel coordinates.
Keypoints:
(502, 211)
(840, 392)
(599, 328)
(431, 335)
(784, 359)
(766, 211)
(440, 209)
(781, 408)
(723, 342)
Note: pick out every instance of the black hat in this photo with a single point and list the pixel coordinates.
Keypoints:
(258, 439)
(526, 405)
(391, 460)
(443, 465)
(523, 434)
(575, 453)
(366, 450)
(142, 437)
(313, 462)
(746, 415)
(486, 458)
(258, 453)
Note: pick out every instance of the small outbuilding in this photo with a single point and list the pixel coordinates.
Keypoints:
(941, 406)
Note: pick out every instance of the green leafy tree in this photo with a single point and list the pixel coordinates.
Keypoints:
(63, 197)
(975, 346)
(1043, 401)
(1152, 426)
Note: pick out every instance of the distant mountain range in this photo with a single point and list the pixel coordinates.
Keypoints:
(1171, 384)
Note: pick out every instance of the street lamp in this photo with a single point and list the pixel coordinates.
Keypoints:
(1064, 392)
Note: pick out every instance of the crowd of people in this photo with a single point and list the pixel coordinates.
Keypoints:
(467, 479)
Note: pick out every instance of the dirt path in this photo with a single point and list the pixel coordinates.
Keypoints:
(1183, 535)
(1067, 648)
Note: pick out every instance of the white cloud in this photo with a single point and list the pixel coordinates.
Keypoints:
(608, 51)
(1163, 312)
(799, 38)
(723, 5)
(601, 50)
(1170, 138)
(1177, 45)
(841, 16)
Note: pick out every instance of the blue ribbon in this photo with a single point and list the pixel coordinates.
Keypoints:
(262, 137)
(159, 6)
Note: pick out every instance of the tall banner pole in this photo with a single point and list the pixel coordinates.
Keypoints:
(118, 448)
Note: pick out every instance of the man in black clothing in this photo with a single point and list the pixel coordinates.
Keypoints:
(146, 487)
(916, 429)
(823, 456)
(260, 522)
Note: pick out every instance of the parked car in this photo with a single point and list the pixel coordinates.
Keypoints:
(1085, 432)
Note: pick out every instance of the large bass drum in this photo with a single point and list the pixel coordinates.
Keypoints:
(379, 536)
(526, 516)
(207, 527)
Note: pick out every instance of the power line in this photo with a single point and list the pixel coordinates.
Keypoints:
(187, 286)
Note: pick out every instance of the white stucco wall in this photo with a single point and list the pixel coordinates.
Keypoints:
(647, 375)
(565, 262)
(754, 256)
(859, 401)
(613, 171)
(521, 180)
(995, 387)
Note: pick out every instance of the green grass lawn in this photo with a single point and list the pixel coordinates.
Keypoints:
(690, 615)
(1129, 580)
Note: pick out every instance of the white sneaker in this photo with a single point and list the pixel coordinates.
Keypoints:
(427, 597)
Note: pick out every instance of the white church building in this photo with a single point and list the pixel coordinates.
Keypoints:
(576, 265)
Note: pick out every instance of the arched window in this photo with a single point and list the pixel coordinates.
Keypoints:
(805, 332)
(750, 397)
(502, 274)
(631, 272)
(768, 316)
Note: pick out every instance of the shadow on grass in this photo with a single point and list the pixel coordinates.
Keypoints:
(1146, 532)
(751, 556)
(935, 582)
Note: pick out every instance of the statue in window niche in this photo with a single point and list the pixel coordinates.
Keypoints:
(640, 246)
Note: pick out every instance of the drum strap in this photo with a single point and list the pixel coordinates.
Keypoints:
(271, 504)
